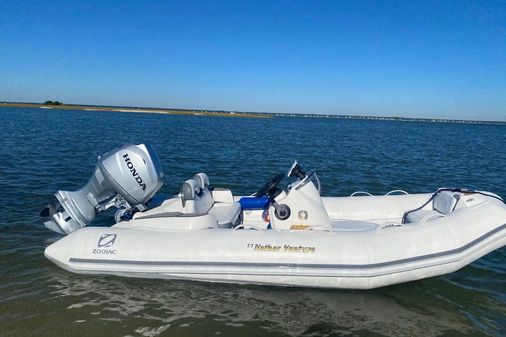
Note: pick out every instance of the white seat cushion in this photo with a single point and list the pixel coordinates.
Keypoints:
(422, 216)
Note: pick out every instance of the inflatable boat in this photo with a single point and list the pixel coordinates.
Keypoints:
(287, 236)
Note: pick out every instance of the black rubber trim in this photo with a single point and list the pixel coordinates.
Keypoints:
(170, 215)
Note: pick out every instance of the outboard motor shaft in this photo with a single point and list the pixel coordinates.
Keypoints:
(126, 178)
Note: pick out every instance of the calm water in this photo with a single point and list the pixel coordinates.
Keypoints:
(45, 150)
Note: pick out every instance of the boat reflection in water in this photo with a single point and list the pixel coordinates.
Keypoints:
(207, 309)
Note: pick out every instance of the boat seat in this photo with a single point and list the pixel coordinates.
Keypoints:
(195, 195)
(198, 200)
(443, 203)
(202, 180)
(226, 214)
(225, 209)
(423, 215)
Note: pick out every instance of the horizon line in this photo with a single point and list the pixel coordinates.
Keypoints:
(262, 113)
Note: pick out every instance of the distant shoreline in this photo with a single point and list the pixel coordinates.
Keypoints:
(135, 109)
(224, 113)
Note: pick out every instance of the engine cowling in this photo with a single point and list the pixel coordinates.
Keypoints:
(126, 178)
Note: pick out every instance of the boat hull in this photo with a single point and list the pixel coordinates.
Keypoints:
(353, 260)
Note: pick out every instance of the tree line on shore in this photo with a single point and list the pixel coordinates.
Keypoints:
(52, 103)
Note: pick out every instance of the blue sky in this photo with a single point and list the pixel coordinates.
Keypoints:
(406, 58)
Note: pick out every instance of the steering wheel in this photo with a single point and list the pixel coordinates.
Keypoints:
(270, 186)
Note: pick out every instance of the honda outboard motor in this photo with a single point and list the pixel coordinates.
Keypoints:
(126, 178)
